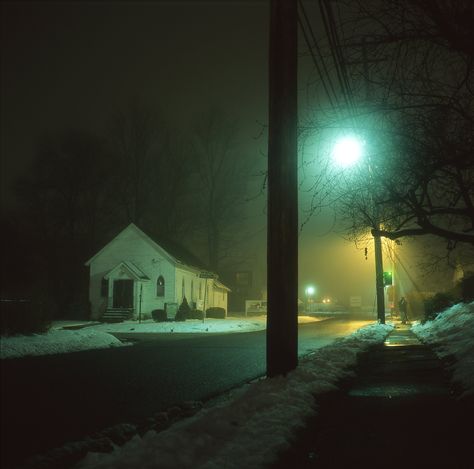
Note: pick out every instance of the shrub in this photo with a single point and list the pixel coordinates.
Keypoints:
(467, 287)
(183, 311)
(436, 304)
(159, 315)
(215, 313)
(24, 317)
(195, 314)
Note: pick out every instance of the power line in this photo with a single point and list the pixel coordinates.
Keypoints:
(335, 49)
(313, 45)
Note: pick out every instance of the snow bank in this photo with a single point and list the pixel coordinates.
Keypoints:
(56, 341)
(251, 426)
(452, 334)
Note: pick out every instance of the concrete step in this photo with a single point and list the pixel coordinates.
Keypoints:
(116, 315)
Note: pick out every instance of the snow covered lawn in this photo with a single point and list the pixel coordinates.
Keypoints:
(452, 334)
(97, 335)
(252, 425)
(231, 324)
(56, 341)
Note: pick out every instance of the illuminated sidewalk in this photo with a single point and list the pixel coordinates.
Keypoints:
(398, 411)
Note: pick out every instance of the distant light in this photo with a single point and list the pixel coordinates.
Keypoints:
(310, 290)
(347, 151)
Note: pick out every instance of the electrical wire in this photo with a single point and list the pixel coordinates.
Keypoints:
(338, 61)
(312, 46)
(335, 49)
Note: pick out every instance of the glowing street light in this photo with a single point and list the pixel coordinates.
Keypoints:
(347, 151)
(309, 291)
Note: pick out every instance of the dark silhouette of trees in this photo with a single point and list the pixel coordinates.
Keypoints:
(66, 205)
(135, 139)
(172, 210)
(153, 173)
(82, 188)
(222, 174)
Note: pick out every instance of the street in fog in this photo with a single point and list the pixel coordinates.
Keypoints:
(55, 399)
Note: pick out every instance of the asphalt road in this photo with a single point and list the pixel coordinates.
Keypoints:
(47, 401)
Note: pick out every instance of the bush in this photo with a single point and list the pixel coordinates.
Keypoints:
(436, 304)
(467, 287)
(195, 314)
(183, 311)
(24, 317)
(215, 313)
(159, 315)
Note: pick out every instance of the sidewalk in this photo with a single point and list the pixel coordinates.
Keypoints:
(399, 411)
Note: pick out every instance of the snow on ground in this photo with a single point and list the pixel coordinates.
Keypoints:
(452, 334)
(252, 425)
(56, 341)
(231, 324)
(97, 335)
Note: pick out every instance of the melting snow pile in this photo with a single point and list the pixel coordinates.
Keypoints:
(452, 334)
(252, 425)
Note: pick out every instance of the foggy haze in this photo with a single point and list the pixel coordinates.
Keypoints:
(73, 65)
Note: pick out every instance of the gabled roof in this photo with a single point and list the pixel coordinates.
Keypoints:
(131, 268)
(169, 250)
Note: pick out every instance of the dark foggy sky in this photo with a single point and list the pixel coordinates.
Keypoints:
(72, 64)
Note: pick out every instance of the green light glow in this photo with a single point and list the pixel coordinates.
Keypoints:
(347, 151)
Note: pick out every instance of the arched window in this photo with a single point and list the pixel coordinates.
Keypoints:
(160, 286)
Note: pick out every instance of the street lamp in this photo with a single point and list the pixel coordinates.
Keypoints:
(347, 152)
(309, 291)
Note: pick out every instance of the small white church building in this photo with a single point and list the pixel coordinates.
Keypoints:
(133, 275)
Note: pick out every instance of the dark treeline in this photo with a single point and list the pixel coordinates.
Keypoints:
(83, 188)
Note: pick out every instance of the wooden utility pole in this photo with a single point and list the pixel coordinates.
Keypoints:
(379, 285)
(282, 237)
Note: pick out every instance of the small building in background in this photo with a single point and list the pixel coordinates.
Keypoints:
(133, 275)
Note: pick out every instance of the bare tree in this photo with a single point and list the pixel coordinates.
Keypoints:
(66, 202)
(411, 68)
(172, 209)
(221, 176)
(135, 139)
